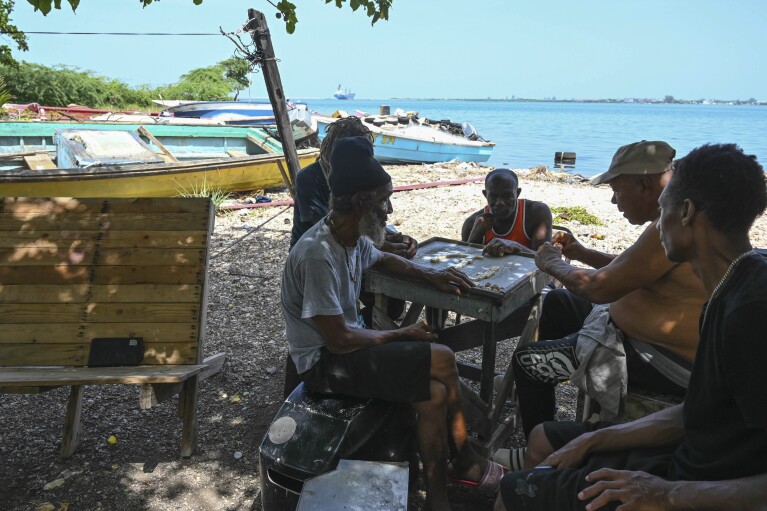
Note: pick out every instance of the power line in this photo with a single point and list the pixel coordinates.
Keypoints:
(113, 33)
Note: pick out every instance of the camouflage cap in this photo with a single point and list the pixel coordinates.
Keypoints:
(638, 158)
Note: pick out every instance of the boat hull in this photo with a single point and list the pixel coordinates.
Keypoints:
(164, 180)
(210, 158)
(395, 147)
(210, 109)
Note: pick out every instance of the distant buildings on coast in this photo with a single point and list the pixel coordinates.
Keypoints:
(653, 101)
(665, 100)
(671, 99)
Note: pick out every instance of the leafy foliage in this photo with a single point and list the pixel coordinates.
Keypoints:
(5, 96)
(574, 213)
(374, 9)
(62, 85)
(236, 73)
(10, 30)
(45, 6)
(210, 83)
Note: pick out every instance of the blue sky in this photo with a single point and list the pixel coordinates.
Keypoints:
(435, 48)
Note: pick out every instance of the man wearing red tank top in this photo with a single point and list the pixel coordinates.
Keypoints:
(526, 223)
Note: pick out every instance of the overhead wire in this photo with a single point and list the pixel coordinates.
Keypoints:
(112, 33)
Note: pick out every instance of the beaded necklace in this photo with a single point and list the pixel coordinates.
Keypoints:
(721, 283)
(337, 237)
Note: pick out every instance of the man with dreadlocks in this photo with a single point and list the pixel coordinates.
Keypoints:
(313, 192)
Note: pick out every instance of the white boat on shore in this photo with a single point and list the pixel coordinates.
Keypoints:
(404, 139)
(255, 113)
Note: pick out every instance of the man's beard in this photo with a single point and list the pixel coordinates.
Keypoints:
(373, 226)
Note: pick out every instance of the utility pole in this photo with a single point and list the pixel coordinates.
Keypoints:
(260, 33)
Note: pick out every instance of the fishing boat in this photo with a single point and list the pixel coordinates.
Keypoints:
(342, 93)
(236, 113)
(51, 159)
(405, 139)
(256, 113)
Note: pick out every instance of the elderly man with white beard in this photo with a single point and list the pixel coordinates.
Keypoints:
(335, 354)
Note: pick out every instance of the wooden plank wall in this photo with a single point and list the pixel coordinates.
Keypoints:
(75, 269)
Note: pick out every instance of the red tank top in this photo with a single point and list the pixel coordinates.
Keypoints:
(517, 232)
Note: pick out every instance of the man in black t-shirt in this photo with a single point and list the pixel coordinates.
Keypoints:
(710, 453)
(311, 202)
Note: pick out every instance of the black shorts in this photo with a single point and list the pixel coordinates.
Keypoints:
(552, 489)
(395, 371)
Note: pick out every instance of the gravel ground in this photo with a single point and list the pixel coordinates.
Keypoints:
(143, 469)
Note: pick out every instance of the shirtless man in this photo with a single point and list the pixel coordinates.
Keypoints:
(650, 305)
(525, 224)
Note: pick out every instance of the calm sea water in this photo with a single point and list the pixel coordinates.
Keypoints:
(528, 134)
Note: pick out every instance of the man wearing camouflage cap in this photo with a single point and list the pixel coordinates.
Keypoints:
(630, 318)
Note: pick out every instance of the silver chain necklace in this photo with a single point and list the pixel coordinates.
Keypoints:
(337, 237)
(721, 283)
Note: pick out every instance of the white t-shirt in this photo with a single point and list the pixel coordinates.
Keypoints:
(317, 282)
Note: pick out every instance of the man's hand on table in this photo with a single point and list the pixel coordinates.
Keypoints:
(451, 281)
(498, 247)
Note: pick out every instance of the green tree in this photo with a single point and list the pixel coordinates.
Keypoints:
(10, 30)
(62, 85)
(5, 96)
(669, 99)
(374, 9)
(217, 82)
(236, 73)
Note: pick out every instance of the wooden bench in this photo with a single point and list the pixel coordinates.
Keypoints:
(72, 270)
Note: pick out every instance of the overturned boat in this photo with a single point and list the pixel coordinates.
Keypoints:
(408, 139)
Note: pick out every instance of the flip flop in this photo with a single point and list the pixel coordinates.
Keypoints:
(489, 482)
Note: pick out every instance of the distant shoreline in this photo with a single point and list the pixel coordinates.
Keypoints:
(642, 101)
(647, 101)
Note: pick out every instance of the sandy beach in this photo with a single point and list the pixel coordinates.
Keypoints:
(143, 469)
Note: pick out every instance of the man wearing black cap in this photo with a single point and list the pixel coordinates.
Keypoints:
(311, 204)
(334, 354)
(643, 329)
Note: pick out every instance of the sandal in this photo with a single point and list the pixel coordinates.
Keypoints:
(489, 482)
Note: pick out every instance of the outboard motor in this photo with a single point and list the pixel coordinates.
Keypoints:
(312, 432)
(469, 131)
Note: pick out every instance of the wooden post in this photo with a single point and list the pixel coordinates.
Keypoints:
(260, 33)
(71, 435)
